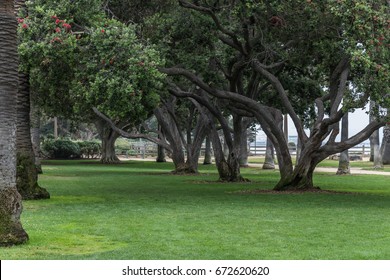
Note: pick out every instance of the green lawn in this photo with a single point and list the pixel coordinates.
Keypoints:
(365, 165)
(137, 210)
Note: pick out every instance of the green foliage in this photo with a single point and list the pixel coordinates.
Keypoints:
(78, 59)
(117, 73)
(89, 149)
(61, 149)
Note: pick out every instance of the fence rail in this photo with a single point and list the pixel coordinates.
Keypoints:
(145, 149)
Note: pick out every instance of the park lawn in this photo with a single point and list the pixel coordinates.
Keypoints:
(365, 165)
(138, 210)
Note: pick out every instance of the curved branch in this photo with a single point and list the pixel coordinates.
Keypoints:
(125, 134)
(262, 69)
(236, 43)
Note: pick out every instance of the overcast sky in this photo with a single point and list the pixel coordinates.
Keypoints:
(357, 121)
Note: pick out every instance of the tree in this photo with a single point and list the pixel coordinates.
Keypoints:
(79, 59)
(374, 141)
(344, 166)
(265, 38)
(11, 230)
(27, 172)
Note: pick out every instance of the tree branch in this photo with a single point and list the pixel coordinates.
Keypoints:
(125, 134)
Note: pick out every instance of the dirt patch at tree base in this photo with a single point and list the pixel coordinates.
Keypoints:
(314, 190)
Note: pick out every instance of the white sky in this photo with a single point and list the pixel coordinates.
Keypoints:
(357, 121)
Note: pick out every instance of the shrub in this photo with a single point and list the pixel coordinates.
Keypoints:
(89, 149)
(61, 149)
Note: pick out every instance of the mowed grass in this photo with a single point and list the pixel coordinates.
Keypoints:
(138, 210)
(365, 165)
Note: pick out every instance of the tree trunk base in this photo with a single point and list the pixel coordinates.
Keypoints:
(296, 183)
(343, 171)
(110, 160)
(185, 169)
(11, 230)
(27, 179)
(268, 166)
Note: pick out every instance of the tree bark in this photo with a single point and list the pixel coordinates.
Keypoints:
(27, 174)
(207, 153)
(11, 230)
(108, 137)
(35, 119)
(344, 166)
(375, 156)
(175, 141)
(385, 149)
(243, 157)
(269, 161)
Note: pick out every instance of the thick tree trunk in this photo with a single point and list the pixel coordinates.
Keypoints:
(299, 149)
(160, 154)
(243, 156)
(344, 166)
(11, 230)
(160, 151)
(375, 156)
(207, 153)
(385, 149)
(228, 169)
(35, 119)
(108, 138)
(269, 161)
(174, 139)
(27, 174)
(300, 179)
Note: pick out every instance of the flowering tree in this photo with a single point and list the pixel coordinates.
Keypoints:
(78, 60)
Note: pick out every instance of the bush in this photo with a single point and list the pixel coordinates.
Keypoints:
(90, 149)
(61, 149)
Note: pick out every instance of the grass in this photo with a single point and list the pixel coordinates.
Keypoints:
(365, 165)
(137, 210)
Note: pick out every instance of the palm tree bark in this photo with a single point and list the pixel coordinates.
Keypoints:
(11, 230)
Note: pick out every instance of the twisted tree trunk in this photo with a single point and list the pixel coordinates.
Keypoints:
(27, 173)
(108, 137)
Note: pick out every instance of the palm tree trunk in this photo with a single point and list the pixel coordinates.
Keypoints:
(11, 230)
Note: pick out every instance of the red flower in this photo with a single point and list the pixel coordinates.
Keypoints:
(58, 30)
(102, 31)
(20, 20)
(67, 26)
(54, 17)
(56, 39)
(24, 26)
